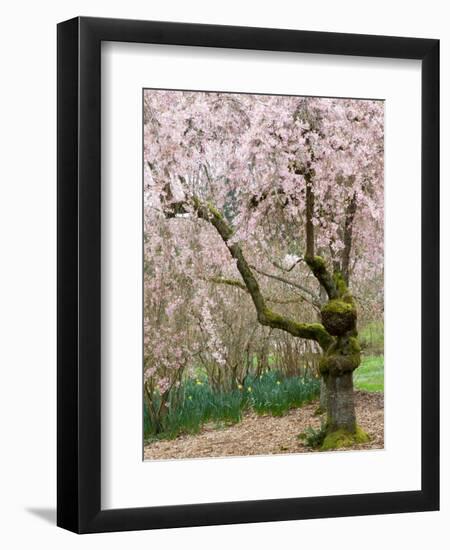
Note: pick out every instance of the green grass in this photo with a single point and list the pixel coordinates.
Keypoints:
(267, 394)
(370, 375)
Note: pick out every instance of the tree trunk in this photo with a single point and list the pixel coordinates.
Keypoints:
(336, 367)
(340, 403)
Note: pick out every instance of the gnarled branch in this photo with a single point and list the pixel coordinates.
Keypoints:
(310, 331)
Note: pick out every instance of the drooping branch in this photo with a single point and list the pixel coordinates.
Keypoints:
(241, 286)
(310, 331)
(313, 300)
(286, 269)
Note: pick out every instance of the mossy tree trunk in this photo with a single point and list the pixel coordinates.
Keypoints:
(340, 403)
(338, 317)
(337, 366)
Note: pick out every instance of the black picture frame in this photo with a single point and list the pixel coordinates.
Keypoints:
(79, 280)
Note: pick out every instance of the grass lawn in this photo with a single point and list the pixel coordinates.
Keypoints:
(370, 375)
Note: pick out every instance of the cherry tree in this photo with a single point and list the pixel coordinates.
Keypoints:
(281, 190)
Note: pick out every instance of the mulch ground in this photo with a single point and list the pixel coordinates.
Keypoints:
(268, 435)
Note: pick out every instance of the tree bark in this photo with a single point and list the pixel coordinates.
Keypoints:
(337, 366)
(340, 403)
(347, 237)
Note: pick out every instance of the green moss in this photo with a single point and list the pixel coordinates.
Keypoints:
(337, 365)
(214, 211)
(340, 283)
(350, 345)
(344, 355)
(343, 438)
(338, 306)
(311, 331)
(317, 263)
(339, 316)
(230, 282)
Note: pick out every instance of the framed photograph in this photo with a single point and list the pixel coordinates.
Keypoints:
(248, 275)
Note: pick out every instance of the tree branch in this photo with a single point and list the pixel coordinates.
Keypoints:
(316, 263)
(288, 269)
(238, 284)
(309, 226)
(321, 273)
(310, 331)
(315, 301)
(225, 281)
(348, 234)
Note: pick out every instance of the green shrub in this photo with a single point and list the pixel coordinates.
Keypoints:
(312, 437)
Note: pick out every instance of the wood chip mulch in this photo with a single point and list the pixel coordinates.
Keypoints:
(268, 435)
